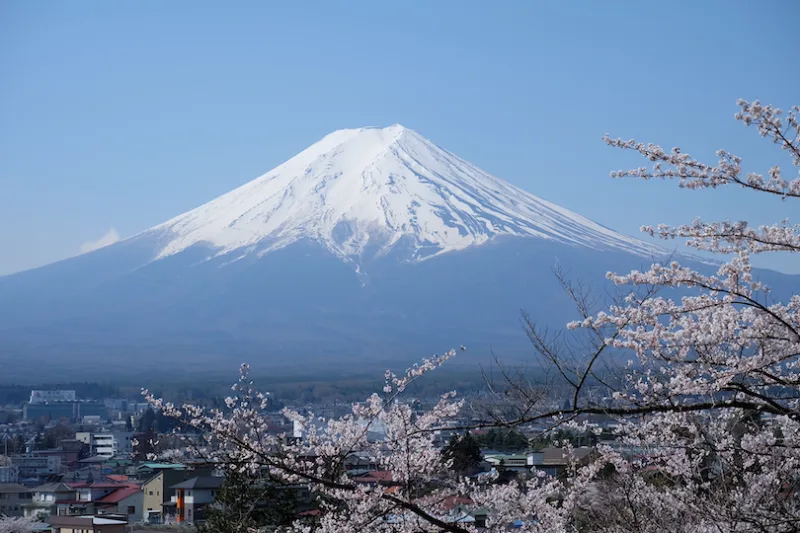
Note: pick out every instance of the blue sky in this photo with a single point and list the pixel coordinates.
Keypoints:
(124, 114)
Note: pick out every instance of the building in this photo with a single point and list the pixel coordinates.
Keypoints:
(127, 501)
(148, 470)
(30, 466)
(71, 451)
(50, 411)
(191, 498)
(72, 411)
(360, 462)
(510, 461)
(104, 445)
(94, 491)
(107, 445)
(52, 499)
(158, 488)
(51, 396)
(555, 460)
(117, 404)
(86, 524)
(124, 442)
(66, 458)
(13, 498)
(9, 473)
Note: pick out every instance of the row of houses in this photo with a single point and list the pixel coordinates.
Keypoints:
(167, 493)
(160, 493)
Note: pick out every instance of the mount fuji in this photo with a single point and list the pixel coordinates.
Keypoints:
(372, 246)
(363, 191)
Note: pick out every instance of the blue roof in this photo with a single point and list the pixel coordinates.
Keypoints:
(163, 466)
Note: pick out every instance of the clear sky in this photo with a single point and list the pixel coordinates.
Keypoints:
(115, 116)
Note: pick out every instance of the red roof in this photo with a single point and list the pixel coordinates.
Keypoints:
(97, 485)
(454, 501)
(120, 494)
(376, 476)
(117, 477)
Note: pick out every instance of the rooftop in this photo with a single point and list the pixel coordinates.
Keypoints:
(163, 466)
(90, 520)
(120, 494)
(96, 485)
(13, 487)
(53, 487)
(201, 482)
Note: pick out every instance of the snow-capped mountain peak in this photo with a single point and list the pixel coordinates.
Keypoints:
(368, 188)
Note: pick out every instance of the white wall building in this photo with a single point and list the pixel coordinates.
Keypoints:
(107, 444)
(104, 445)
(36, 465)
(49, 396)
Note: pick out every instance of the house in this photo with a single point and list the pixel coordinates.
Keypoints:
(374, 477)
(360, 462)
(86, 524)
(69, 452)
(508, 461)
(148, 470)
(191, 499)
(92, 492)
(157, 490)
(555, 460)
(52, 499)
(551, 461)
(13, 498)
(126, 501)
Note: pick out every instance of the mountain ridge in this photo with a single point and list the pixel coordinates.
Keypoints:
(367, 189)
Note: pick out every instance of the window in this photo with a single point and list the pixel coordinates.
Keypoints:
(151, 493)
(131, 509)
(188, 493)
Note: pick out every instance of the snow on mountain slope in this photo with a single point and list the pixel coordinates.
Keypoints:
(366, 189)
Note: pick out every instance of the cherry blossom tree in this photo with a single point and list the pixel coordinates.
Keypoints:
(706, 412)
(17, 525)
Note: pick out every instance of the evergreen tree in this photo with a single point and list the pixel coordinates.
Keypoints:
(464, 453)
(147, 421)
(146, 444)
(246, 502)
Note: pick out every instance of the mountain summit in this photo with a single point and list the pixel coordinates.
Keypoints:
(363, 191)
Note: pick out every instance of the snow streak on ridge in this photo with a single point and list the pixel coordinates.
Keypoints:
(360, 191)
